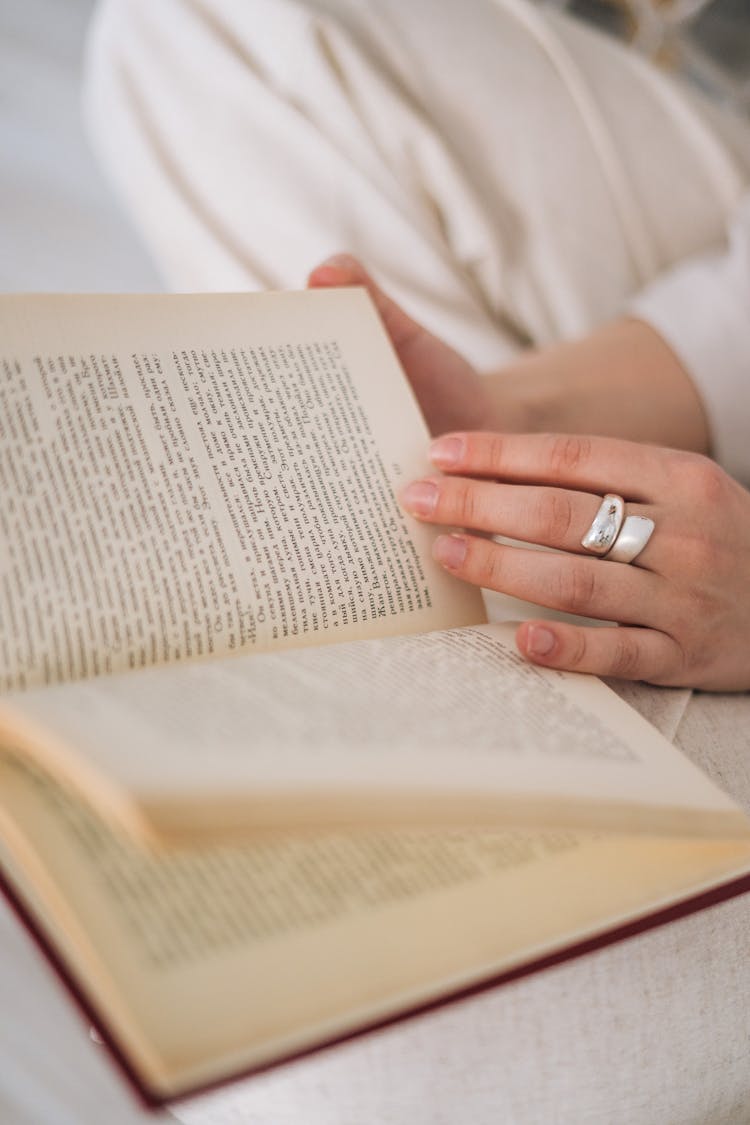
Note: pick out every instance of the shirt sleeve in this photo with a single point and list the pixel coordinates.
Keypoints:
(702, 310)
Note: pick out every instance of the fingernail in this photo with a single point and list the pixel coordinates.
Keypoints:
(336, 269)
(450, 550)
(420, 497)
(341, 262)
(447, 451)
(539, 641)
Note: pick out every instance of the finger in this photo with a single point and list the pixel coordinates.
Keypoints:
(446, 385)
(555, 517)
(596, 464)
(627, 653)
(585, 586)
(344, 269)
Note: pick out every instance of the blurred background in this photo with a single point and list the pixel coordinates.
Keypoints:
(60, 226)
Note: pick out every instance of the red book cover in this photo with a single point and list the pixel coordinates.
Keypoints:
(153, 1099)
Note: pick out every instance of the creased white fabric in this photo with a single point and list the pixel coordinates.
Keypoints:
(513, 177)
(702, 309)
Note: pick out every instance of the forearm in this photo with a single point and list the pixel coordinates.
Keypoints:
(620, 381)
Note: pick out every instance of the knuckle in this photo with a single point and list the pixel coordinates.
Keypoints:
(578, 649)
(495, 451)
(555, 516)
(569, 452)
(704, 608)
(483, 452)
(490, 569)
(679, 669)
(462, 503)
(704, 479)
(626, 658)
(682, 666)
(577, 587)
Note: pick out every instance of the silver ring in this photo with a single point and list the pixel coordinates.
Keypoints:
(605, 528)
(632, 538)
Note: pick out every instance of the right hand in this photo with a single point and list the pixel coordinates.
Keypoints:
(450, 392)
(683, 607)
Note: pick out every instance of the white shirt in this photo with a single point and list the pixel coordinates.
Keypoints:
(702, 309)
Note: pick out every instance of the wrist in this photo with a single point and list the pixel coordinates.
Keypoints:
(622, 380)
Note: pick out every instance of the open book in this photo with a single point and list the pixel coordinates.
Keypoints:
(236, 839)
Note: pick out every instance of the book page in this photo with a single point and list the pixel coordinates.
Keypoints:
(210, 961)
(182, 476)
(446, 728)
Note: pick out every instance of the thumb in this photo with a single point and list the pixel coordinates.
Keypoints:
(344, 269)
